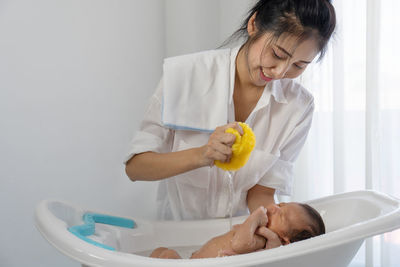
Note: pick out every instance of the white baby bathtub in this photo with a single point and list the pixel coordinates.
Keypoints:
(349, 218)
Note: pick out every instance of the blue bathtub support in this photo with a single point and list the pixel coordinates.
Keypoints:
(89, 227)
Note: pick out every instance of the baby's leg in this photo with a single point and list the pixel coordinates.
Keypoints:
(165, 253)
(245, 240)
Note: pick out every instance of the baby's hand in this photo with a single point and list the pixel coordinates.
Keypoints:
(258, 218)
(245, 239)
(273, 240)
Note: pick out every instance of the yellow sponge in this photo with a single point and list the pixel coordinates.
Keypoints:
(241, 149)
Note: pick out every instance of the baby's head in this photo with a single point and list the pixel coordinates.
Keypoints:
(294, 221)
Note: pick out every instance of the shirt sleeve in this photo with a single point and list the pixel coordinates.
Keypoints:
(152, 135)
(280, 175)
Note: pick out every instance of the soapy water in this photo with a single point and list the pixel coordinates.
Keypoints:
(241, 150)
(230, 201)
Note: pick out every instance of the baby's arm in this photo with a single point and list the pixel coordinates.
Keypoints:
(216, 247)
(241, 239)
(245, 239)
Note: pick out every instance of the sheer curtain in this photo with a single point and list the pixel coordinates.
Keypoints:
(354, 142)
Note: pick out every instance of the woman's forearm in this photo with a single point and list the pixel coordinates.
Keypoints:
(151, 166)
(259, 196)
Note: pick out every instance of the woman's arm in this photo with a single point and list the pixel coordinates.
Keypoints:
(260, 196)
(151, 166)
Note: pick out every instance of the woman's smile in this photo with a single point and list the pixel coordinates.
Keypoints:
(264, 75)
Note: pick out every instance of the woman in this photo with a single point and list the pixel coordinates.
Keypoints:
(203, 94)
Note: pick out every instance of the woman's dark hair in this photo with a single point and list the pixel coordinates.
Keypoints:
(317, 226)
(302, 18)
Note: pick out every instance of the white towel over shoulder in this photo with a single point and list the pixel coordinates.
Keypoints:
(196, 90)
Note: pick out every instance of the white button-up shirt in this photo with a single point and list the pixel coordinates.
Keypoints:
(281, 121)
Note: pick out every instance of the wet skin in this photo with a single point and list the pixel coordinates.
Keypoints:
(263, 229)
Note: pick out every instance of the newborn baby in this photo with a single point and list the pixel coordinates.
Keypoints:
(265, 228)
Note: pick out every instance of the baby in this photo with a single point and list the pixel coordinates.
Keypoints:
(265, 228)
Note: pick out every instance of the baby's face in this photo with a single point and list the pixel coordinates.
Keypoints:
(283, 218)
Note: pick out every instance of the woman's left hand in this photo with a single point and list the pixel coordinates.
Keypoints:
(272, 239)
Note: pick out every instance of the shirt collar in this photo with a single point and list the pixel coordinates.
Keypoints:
(234, 53)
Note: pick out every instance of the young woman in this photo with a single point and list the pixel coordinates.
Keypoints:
(203, 94)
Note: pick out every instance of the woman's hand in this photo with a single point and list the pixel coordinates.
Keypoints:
(219, 146)
(272, 239)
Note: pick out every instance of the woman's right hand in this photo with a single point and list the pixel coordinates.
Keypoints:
(219, 146)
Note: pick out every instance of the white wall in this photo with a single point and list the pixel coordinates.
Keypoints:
(75, 76)
(195, 25)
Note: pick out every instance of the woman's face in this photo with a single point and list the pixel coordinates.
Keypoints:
(283, 218)
(285, 58)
